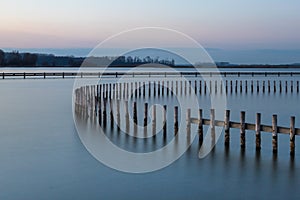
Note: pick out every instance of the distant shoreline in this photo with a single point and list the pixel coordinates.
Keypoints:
(176, 66)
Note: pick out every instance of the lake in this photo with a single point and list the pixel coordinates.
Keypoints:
(42, 156)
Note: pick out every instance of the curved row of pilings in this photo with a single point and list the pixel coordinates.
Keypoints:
(104, 101)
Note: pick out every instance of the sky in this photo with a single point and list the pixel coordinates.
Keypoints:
(225, 24)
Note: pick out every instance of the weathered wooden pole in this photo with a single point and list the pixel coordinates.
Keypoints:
(280, 87)
(227, 127)
(145, 114)
(242, 130)
(212, 126)
(226, 86)
(230, 86)
(246, 86)
(165, 121)
(274, 85)
(149, 89)
(251, 86)
(292, 136)
(286, 87)
(263, 89)
(269, 87)
(190, 87)
(126, 116)
(195, 87)
(200, 126)
(257, 86)
(200, 87)
(292, 88)
(241, 87)
(297, 86)
(236, 86)
(205, 87)
(163, 88)
(175, 120)
(135, 113)
(111, 113)
(154, 120)
(216, 87)
(158, 88)
(257, 131)
(104, 112)
(188, 121)
(274, 133)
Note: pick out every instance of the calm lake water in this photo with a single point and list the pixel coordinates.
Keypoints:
(42, 156)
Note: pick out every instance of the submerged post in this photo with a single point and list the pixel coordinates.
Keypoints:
(188, 121)
(165, 121)
(200, 126)
(175, 120)
(257, 131)
(227, 127)
(292, 136)
(242, 130)
(274, 133)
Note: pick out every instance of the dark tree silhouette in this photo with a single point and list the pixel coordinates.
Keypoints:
(2, 56)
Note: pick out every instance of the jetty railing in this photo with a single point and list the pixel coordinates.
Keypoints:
(44, 75)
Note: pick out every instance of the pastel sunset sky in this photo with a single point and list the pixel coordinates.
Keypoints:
(230, 24)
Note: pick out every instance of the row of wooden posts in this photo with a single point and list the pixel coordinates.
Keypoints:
(136, 74)
(103, 117)
(160, 88)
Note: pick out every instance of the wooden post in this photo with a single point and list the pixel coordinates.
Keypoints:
(230, 86)
(205, 87)
(216, 87)
(292, 84)
(158, 88)
(134, 113)
(274, 85)
(297, 86)
(236, 86)
(212, 126)
(269, 87)
(257, 86)
(104, 112)
(241, 87)
(145, 114)
(195, 86)
(257, 131)
(154, 120)
(175, 120)
(200, 87)
(263, 90)
(274, 133)
(251, 86)
(163, 88)
(165, 121)
(226, 87)
(292, 136)
(242, 130)
(188, 121)
(190, 87)
(280, 87)
(246, 86)
(227, 127)
(200, 126)
(111, 113)
(286, 87)
(149, 89)
(126, 116)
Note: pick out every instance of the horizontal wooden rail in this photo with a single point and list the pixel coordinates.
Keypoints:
(133, 74)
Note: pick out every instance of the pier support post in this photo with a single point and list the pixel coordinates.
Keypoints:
(257, 131)
(242, 130)
(227, 127)
(292, 136)
(274, 133)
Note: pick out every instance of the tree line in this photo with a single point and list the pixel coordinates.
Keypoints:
(17, 59)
